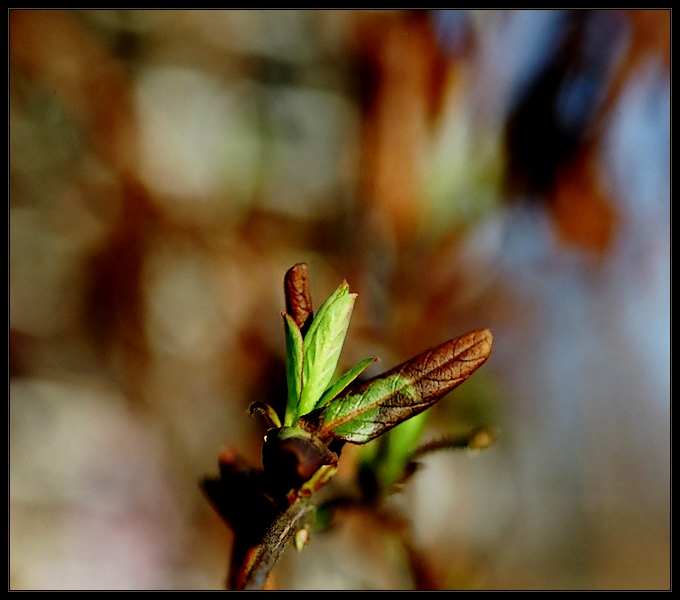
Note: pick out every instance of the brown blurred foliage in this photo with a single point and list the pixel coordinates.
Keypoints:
(461, 169)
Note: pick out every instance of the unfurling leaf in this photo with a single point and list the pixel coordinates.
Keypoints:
(294, 360)
(382, 402)
(297, 295)
(322, 346)
(267, 411)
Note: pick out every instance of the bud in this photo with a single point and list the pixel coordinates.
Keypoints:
(290, 456)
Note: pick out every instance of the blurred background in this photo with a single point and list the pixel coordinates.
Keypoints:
(461, 169)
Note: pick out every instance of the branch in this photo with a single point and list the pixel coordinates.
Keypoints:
(284, 529)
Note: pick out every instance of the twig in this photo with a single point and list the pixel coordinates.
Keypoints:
(275, 540)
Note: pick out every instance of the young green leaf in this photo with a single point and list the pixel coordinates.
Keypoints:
(344, 381)
(380, 403)
(294, 362)
(322, 346)
(341, 290)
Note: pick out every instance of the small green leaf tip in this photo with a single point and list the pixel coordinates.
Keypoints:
(344, 381)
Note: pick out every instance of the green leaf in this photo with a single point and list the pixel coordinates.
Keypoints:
(294, 362)
(341, 290)
(380, 403)
(344, 381)
(322, 346)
